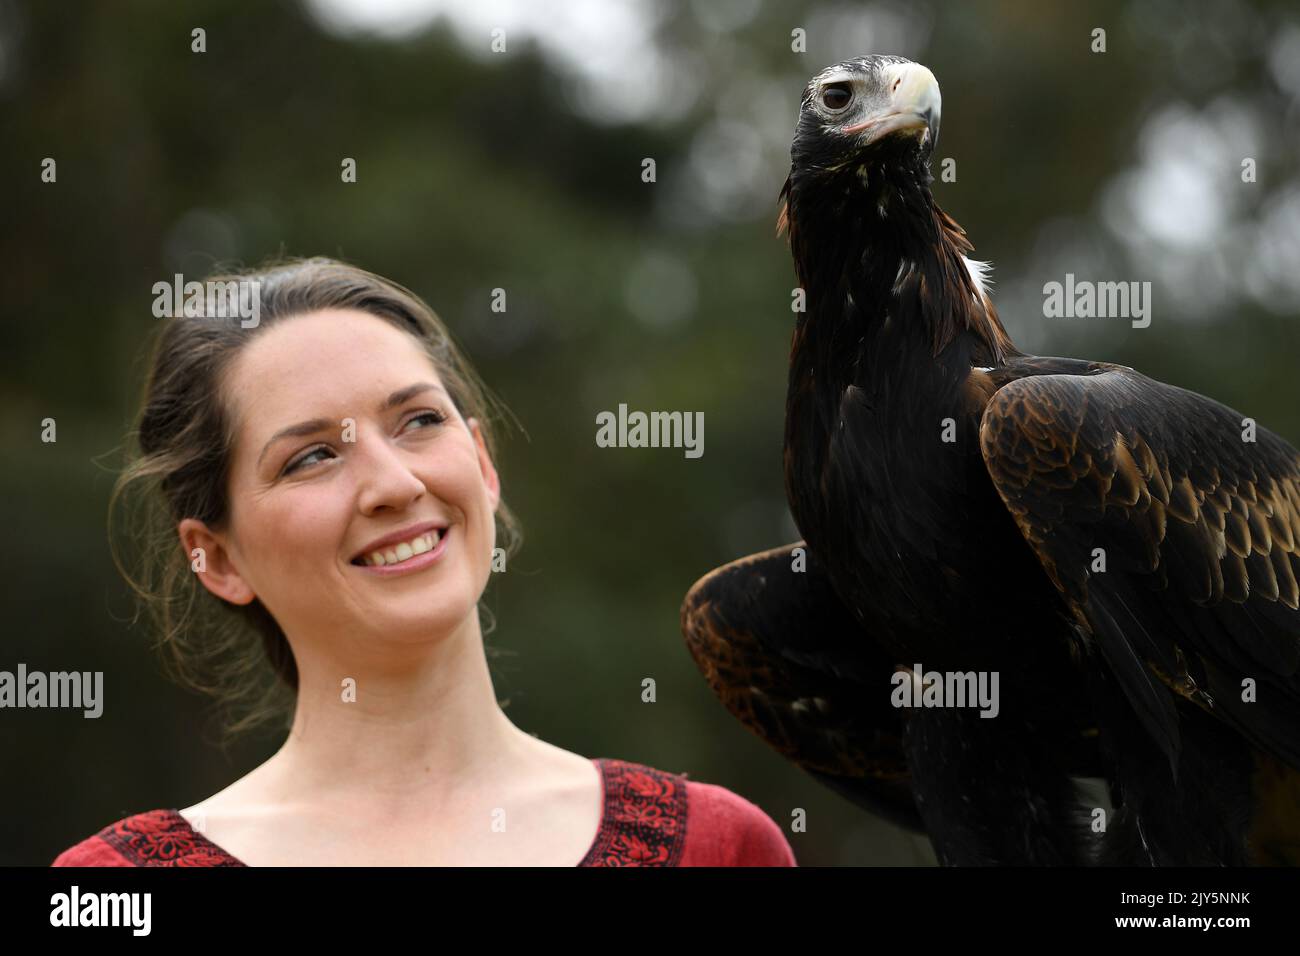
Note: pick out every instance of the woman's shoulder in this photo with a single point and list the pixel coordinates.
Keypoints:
(153, 838)
(733, 831)
(655, 817)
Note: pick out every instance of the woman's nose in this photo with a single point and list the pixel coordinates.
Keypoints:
(386, 476)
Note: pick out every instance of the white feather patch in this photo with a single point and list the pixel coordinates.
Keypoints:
(981, 274)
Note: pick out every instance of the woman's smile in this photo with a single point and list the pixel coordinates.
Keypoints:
(415, 558)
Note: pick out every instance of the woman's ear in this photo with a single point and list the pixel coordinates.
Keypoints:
(210, 559)
(485, 463)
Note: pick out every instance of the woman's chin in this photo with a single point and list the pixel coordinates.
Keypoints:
(417, 622)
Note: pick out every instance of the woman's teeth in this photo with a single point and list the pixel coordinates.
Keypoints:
(407, 549)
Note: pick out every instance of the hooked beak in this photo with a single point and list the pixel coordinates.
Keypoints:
(913, 106)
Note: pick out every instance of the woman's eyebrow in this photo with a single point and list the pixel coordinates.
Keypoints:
(315, 425)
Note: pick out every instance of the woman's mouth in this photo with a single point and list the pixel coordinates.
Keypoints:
(419, 552)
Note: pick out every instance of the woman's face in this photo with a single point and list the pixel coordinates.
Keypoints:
(345, 436)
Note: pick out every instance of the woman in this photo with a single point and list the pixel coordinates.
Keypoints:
(327, 469)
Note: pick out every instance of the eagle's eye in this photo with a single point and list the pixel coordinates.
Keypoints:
(836, 96)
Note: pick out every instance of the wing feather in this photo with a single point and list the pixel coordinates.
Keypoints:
(788, 660)
(1197, 528)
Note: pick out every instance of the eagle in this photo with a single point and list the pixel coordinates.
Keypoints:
(1122, 555)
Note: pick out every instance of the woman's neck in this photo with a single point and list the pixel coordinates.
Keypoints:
(410, 727)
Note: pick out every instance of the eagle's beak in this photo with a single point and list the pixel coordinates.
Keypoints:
(913, 106)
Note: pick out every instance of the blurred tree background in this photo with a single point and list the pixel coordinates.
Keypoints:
(521, 170)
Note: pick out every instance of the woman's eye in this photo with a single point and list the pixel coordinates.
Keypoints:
(437, 418)
(299, 462)
(836, 96)
(432, 418)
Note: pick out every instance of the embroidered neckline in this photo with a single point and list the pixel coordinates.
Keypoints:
(642, 823)
(644, 820)
(164, 838)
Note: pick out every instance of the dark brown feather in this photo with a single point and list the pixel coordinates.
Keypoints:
(1199, 528)
(742, 623)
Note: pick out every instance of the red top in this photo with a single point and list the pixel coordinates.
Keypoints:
(650, 818)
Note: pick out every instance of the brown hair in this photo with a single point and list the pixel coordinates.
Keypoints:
(180, 469)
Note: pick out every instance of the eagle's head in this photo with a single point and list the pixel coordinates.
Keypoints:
(862, 223)
(865, 115)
